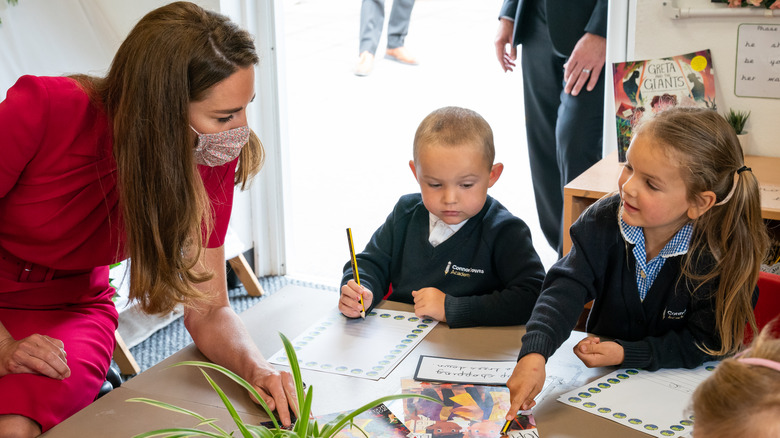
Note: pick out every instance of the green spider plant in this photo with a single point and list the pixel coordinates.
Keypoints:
(301, 429)
(737, 120)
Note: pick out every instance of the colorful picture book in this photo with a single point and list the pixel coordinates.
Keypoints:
(466, 411)
(653, 402)
(369, 348)
(377, 422)
(653, 85)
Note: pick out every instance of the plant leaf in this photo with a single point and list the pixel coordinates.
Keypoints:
(260, 431)
(352, 424)
(179, 432)
(168, 406)
(295, 367)
(301, 428)
(236, 378)
(203, 420)
(341, 423)
(183, 435)
(328, 427)
(236, 418)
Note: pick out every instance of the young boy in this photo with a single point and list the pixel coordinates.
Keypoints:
(452, 250)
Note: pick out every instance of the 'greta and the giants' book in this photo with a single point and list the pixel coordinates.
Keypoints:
(653, 85)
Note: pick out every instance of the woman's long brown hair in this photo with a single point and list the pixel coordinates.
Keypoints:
(734, 232)
(173, 56)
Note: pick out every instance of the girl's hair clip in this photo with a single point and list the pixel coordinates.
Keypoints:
(734, 184)
(758, 361)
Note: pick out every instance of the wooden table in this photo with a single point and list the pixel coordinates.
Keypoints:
(601, 179)
(291, 311)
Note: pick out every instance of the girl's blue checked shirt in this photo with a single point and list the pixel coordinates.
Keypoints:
(646, 272)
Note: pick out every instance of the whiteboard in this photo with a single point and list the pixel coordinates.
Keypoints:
(652, 33)
(758, 61)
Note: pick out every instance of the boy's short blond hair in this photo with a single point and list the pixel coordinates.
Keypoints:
(455, 126)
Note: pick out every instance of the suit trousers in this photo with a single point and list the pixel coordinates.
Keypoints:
(372, 18)
(564, 132)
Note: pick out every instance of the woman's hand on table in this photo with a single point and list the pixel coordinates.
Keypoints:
(525, 383)
(35, 354)
(349, 300)
(277, 389)
(594, 353)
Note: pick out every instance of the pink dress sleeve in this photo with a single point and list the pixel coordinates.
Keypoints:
(22, 114)
(219, 186)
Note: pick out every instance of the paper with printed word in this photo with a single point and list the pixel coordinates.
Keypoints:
(478, 372)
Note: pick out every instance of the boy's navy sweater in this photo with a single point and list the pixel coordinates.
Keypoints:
(663, 331)
(488, 269)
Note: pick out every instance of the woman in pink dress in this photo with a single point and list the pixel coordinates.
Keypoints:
(138, 164)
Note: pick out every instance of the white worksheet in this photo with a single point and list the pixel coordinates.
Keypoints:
(368, 348)
(654, 402)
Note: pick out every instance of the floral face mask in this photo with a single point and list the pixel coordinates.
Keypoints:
(221, 147)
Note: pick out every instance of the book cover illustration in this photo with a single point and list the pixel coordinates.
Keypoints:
(466, 411)
(653, 85)
(377, 422)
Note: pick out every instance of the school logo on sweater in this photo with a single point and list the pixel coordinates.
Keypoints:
(461, 271)
(669, 314)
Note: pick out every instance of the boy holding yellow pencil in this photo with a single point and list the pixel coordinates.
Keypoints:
(453, 251)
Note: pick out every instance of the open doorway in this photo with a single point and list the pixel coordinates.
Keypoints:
(350, 137)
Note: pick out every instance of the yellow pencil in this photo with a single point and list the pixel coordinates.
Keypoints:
(505, 428)
(355, 270)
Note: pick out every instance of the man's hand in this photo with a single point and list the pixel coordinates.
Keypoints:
(585, 64)
(506, 55)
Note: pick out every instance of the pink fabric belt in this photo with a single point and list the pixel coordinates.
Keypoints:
(16, 269)
(26, 285)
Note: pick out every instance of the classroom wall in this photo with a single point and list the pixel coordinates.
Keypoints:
(655, 34)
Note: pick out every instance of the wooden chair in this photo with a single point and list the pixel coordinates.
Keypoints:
(124, 358)
(768, 305)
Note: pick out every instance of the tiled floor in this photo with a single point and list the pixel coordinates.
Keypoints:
(351, 137)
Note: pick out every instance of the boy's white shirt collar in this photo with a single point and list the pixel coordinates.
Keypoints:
(439, 231)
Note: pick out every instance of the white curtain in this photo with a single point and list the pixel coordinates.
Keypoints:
(61, 37)
(43, 37)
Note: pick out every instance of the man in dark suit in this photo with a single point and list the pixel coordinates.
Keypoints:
(563, 56)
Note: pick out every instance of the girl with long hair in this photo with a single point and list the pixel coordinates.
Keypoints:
(671, 262)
